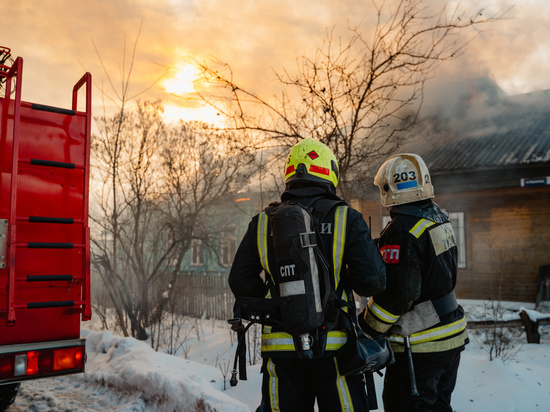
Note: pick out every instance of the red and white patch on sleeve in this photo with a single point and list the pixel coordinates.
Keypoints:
(390, 253)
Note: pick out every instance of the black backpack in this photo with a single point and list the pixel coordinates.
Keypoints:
(301, 272)
(303, 302)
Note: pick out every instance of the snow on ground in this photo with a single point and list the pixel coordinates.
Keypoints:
(521, 385)
(124, 375)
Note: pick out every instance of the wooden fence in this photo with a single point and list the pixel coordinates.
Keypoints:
(207, 296)
(531, 326)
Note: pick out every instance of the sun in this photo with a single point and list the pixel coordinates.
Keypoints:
(183, 80)
(182, 103)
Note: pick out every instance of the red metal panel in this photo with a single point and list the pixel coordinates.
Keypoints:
(40, 325)
(52, 136)
(49, 191)
(31, 137)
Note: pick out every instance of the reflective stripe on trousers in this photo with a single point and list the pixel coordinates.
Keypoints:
(344, 396)
(343, 391)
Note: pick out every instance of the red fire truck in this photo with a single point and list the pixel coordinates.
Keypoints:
(44, 234)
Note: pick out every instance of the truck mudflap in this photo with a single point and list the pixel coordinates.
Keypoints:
(38, 360)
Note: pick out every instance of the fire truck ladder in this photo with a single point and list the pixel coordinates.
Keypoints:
(9, 228)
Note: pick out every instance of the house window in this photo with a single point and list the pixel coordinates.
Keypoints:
(457, 221)
(228, 245)
(197, 252)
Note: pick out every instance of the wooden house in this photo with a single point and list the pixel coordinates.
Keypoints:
(491, 171)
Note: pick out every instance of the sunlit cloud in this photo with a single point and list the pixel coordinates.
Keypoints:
(183, 80)
(174, 113)
(57, 40)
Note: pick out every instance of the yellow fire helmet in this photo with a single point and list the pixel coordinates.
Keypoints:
(311, 161)
(403, 178)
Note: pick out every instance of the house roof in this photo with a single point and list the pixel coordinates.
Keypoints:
(513, 131)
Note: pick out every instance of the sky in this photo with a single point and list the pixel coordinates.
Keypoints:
(126, 375)
(59, 40)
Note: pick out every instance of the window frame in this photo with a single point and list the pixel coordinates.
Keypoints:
(460, 235)
(197, 256)
(228, 245)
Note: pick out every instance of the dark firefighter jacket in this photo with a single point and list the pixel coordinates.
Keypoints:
(420, 251)
(344, 235)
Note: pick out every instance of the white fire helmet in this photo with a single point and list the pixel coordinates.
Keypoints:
(403, 178)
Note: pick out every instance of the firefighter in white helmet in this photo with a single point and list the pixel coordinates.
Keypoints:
(418, 311)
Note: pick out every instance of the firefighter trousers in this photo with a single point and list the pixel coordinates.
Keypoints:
(435, 373)
(293, 385)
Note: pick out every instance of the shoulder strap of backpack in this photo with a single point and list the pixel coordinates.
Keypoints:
(322, 206)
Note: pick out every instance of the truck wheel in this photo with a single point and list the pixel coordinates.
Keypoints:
(7, 395)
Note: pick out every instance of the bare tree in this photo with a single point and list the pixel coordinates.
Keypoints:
(108, 147)
(356, 95)
(129, 213)
(142, 232)
(499, 341)
(200, 168)
(165, 193)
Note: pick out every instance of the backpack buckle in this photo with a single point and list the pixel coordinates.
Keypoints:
(308, 239)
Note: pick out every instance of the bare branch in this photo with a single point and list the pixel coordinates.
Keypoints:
(357, 96)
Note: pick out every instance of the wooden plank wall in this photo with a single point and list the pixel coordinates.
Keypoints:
(507, 240)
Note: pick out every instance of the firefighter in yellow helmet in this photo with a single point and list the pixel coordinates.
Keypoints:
(418, 311)
(294, 377)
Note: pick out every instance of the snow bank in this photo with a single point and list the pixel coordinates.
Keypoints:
(169, 382)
